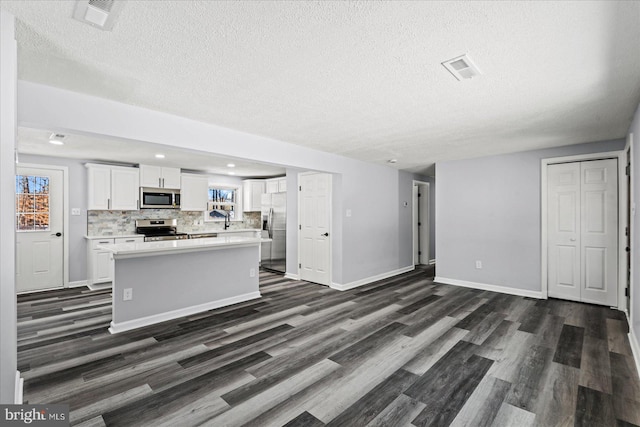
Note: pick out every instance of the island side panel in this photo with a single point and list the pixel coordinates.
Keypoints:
(167, 286)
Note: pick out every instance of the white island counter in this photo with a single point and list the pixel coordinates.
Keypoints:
(158, 281)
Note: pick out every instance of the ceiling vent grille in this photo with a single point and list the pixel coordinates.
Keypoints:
(97, 13)
(462, 67)
(103, 5)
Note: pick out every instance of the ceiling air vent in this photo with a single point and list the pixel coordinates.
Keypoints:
(97, 13)
(462, 67)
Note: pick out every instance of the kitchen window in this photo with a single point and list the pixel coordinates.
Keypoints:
(224, 201)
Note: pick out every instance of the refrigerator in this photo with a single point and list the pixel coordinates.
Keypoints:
(274, 226)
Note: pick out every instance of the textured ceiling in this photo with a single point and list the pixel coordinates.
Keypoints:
(362, 78)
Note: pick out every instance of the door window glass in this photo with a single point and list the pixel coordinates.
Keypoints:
(32, 203)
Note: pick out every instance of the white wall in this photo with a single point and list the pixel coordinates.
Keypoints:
(363, 245)
(635, 238)
(8, 338)
(488, 209)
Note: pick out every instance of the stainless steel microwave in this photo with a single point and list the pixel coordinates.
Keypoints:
(159, 198)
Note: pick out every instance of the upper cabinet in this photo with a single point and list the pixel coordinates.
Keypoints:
(159, 177)
(276, 185)
(112, 188)
(194, 192)
(252, 191)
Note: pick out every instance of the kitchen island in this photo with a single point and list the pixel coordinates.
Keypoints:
(158, 281)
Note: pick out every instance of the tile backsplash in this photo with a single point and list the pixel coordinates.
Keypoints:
(106, 223)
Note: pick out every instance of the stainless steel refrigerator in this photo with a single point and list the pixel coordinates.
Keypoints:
(274, 226)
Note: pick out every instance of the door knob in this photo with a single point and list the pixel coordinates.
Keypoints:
(58, 234)
(325, 234)
(573, 239)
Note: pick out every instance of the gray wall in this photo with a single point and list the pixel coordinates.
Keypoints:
(77, 199)
(488, 209)
(635, 239)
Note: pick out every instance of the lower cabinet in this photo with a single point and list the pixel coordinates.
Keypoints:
(99, 268)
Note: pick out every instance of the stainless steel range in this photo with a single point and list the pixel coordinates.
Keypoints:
(155, 230)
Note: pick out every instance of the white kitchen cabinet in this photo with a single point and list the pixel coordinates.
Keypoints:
(112, 188)
(159, 177)
(252, 191)
(194, 192)
(282, 185)
(99, 268)
(100, 264)
(276, 185)
(272, 186)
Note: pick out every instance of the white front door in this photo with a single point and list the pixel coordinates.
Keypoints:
(583, 231)
(315, 224)
(39, 228)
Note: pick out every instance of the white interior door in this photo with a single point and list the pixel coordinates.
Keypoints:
(315, 224)
(582, 231)
(599, 225)
(564, 230)
(39, 228)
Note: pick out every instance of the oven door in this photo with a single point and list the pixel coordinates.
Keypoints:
(156, 199)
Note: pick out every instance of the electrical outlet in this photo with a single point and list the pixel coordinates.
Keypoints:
(348, 213)
(479, 265)
(75, 211)
(252, 272)
(127, 295)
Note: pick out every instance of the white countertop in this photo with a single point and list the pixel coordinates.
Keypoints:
(113, 236)
(130, 250)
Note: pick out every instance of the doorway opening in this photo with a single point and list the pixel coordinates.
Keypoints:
(420, 221)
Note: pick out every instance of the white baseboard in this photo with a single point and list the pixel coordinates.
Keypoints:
(371, 279)
(78, 283)
(492, 288)
(291, 276)
(635, 347)
(19, 387)
(175, 314)
(432, 261)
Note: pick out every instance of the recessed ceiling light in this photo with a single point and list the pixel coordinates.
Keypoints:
(57, 139)
(159, 156)
(392, 160)
(231, 173)
(231, 165)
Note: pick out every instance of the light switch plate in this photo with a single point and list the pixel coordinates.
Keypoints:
(75, 211)
(348, 213)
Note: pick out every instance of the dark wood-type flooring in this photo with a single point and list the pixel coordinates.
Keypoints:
(402, 351)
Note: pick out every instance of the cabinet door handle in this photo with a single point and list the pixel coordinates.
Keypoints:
(108, 204)
(162, 182)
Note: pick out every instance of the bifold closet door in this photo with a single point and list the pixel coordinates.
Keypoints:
(583, 231)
